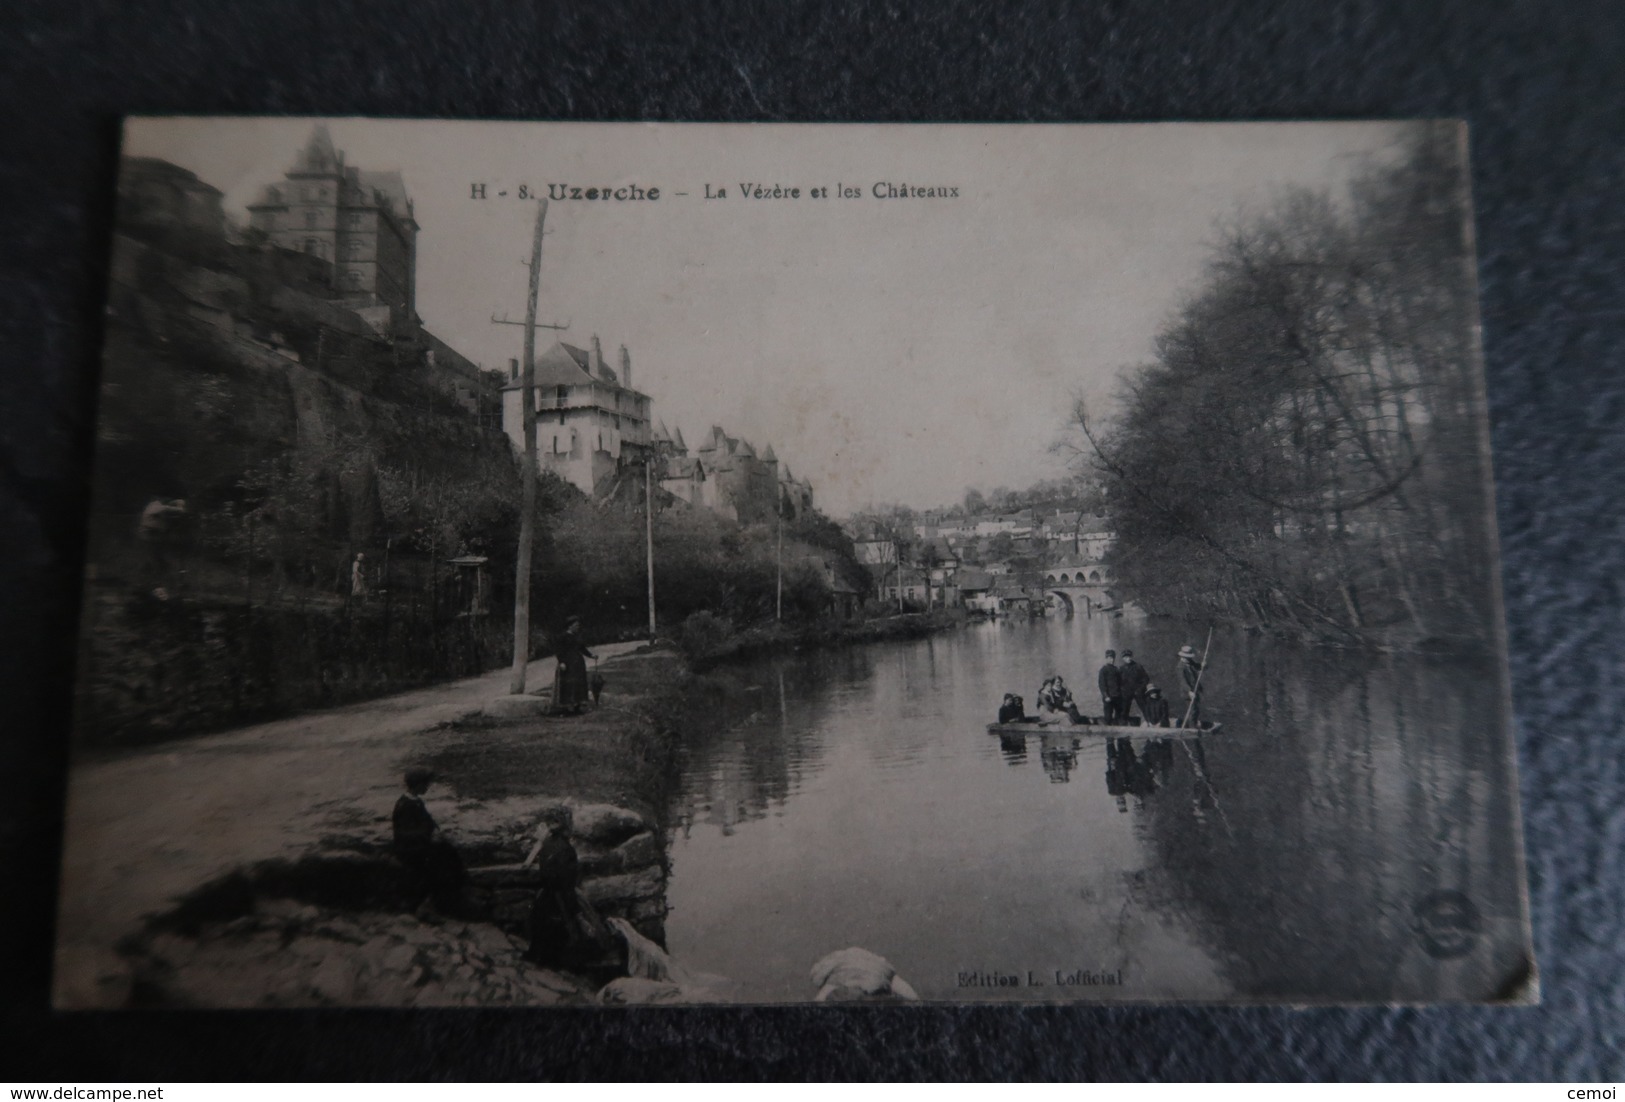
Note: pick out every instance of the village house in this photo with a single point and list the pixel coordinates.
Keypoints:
(911, 584)
(1059, 530)
(1094, 537)
(937, 554)
(875, 552)
(1011, 597)
(1014, 524)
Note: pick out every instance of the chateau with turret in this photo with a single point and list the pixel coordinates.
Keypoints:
(360, 222)
(728, 476)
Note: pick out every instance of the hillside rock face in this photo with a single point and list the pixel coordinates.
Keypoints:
(284, 423)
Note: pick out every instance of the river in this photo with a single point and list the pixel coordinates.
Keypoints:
(1348, 836)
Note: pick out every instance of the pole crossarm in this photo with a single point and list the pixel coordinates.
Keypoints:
(538, 325)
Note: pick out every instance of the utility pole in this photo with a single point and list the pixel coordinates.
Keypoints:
(527, 500)
(778, 582)
(649, 537)
(897, 550)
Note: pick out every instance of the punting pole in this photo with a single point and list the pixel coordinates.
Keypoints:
(1200, 671)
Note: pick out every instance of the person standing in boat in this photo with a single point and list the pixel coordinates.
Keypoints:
(1111, 690)
(1190, 672)
(1134, 681)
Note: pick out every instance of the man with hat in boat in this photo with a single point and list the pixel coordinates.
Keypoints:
(1134, 680)
(1110, 680)
(1190, 672)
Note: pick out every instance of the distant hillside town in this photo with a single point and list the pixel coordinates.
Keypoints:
(1026, 561)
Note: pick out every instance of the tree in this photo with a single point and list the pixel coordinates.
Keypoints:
(1302, 451)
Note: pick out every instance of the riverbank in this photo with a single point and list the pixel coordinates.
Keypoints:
(252, 867)
(709, 640)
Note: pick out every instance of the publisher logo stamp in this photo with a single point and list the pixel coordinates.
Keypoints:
(1447, 924)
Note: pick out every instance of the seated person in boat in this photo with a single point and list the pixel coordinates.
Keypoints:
(1014, 710)
(1078, 718)
(1155, 708)
(1054, 695)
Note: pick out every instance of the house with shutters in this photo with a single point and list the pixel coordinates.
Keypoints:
(590, 422)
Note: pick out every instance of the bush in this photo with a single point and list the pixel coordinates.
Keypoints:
(704, 633)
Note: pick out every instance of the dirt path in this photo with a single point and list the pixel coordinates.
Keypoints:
(146, 828)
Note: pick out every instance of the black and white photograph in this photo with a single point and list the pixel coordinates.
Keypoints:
(613, 564)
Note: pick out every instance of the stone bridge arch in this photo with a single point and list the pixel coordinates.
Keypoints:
(1091, 593)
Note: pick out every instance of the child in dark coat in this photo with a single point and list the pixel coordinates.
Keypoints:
(422, 848)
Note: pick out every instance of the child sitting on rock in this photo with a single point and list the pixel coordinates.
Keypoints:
(422, 847)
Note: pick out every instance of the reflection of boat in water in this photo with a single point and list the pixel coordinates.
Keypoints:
(1048, 726)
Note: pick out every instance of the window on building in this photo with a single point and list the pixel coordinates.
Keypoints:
(310, 218)
(272, 195)
(352, 250)
(355, 220)
(310, 245)
(353, 279)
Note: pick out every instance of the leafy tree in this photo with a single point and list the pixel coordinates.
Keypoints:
(1302, 452)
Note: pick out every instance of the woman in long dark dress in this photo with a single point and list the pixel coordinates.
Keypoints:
(566, 932)
(570, 687)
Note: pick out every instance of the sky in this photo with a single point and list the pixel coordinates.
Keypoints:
(890, 350)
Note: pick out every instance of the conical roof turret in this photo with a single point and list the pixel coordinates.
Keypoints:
(319, 154)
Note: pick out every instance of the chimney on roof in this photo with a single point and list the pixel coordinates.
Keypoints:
(597, 356)
(626, 368)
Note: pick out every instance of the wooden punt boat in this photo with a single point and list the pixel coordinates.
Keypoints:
(1057, 726)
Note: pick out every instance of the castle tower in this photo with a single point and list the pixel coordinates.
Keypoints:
(359, 223)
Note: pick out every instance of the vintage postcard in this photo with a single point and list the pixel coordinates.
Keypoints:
(606, 564)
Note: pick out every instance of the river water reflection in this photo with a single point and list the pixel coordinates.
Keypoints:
(1349, 835)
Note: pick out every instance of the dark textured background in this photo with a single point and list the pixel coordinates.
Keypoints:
(1540, 85)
